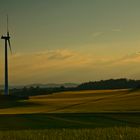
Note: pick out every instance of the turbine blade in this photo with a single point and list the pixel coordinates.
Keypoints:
(8, 34)
(7, 24)
(10, 45)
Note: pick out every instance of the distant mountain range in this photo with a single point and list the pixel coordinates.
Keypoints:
(52, 85)
(49, 85)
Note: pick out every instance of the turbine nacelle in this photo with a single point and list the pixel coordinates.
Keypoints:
(7, 38)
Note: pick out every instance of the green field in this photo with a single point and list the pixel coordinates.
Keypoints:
(74, 113)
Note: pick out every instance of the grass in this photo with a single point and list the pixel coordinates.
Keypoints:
(115, 133)
(95, 114)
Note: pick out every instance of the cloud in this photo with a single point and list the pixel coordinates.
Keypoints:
(116, 30)
(101, 33)
(122, 62)
(66, 59)
(34, 66)
(59, 54)
(68, 65)
(97, 34)
(129, 59)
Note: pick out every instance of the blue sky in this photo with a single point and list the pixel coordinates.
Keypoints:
(71, 40)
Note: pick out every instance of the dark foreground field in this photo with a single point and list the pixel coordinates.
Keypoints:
(68, 120)
(105, 114)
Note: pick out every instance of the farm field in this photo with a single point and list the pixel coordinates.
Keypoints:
(76, 102)
(115, 133)
(73, 113)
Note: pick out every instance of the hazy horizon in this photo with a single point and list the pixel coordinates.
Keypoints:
(71, 41)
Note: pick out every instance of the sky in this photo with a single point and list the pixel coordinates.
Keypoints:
(71, 40)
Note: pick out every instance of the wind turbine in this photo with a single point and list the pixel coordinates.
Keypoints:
(6, 38)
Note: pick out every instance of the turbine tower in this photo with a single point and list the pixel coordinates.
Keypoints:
(6, 38)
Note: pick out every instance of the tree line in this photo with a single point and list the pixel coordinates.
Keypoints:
(110, 84)
(91, 85)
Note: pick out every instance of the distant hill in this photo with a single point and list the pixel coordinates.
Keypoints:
(53, 85)
(49, 85)
(110, 84)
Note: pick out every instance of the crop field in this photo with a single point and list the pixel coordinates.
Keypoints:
(76, 102)
(93, 114)
(115, 133)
